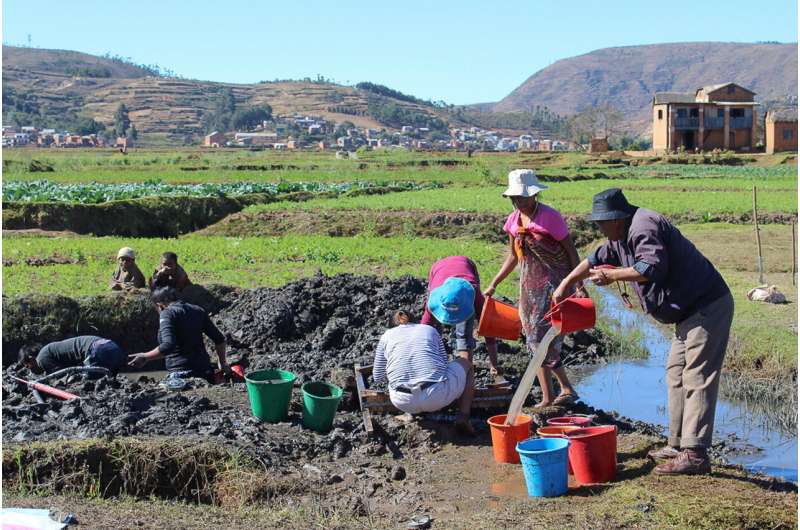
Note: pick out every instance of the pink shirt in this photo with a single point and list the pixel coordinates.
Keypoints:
(546, 219)
(454, 267)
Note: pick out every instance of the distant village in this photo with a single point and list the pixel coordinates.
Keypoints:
(314, 132)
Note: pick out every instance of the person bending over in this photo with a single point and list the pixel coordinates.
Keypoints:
(86, 350)
(412, 359)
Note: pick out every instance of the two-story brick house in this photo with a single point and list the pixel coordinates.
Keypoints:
(715, 117)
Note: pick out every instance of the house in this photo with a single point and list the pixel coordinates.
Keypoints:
(407, 129)
(598, 145)
(323, 145)
(714, 117)
(345, 142)
(316, 129)
(215, 139)
(780, 130)
(255, 138)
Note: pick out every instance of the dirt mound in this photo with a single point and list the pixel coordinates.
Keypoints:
(313, 325)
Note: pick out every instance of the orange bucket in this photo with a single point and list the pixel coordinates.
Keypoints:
(505, 437)
(573, 314)
(499, 320)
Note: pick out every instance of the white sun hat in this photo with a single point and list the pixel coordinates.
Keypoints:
(523, 183)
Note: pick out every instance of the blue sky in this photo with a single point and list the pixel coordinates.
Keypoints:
(459, 52)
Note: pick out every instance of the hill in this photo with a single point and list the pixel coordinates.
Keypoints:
(627, 77)
(51, 84)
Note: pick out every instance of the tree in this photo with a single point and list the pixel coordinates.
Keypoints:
(121, 120)
(85, 126)
(251, 117)
(133, 134)
(602, 121)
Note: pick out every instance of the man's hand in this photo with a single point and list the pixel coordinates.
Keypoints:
(137, 360)
(560, 293)
(600, 276)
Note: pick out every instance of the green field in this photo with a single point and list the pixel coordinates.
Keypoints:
(765, 335)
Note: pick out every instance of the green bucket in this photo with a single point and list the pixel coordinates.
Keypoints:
(320, 401)
(270, 392)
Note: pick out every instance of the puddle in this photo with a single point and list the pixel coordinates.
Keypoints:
(637, 389)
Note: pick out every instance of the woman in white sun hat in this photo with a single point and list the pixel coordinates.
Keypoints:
(539, 241)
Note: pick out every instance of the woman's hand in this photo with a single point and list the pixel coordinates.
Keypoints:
(580, 291)
(489, 291)
(600, 276)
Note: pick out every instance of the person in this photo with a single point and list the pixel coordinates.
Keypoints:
(127, 276)
(677, 285)
(438, 310)
(412, 359)
(180, 339)
(169, 274)
(85, 350)
(540, 242)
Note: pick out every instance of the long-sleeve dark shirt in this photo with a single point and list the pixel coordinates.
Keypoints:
(65, 353)
(180, 337)
(681, 280)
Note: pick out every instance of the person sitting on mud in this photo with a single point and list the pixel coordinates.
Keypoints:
(454, 305)
(86, 350)
(127, 276)
(676, 284)
(412, 358)
(180, 339)
(169, 274)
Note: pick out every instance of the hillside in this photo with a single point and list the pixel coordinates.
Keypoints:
(68, 62)
(627, 77)
(171, 106)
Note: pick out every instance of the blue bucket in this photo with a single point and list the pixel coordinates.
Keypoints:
(544, 463)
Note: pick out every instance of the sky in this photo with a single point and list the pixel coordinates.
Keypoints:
(459, 52)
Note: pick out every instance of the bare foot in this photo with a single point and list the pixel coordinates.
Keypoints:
(404, 418)
(543, 404)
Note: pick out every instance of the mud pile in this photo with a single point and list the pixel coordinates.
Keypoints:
(117, 407)
(313, 325)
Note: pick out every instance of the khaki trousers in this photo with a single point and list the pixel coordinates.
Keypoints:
(693, 372)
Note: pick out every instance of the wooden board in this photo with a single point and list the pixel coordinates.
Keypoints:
(376, 401)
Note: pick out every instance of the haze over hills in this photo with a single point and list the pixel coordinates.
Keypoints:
(627, 77)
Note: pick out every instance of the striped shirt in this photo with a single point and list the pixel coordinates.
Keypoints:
(410, 354)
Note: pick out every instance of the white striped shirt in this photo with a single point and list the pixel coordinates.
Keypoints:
(410, 354)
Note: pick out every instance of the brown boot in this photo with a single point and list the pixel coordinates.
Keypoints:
(665, 453)
(688, 462)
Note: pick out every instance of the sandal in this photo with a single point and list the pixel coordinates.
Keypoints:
(565, 399)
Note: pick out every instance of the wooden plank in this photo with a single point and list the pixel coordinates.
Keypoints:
(361, 387)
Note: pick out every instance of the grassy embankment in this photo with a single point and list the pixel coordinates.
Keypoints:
(235, 494)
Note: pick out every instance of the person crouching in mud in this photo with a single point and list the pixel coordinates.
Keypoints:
(413, 360)
(180, 339)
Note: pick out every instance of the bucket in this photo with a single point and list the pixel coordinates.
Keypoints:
(557, 431)
(505, 437)
(580, 421)
(573, 314)
(593, 454)
(270, 392)
(544, 464)
(320, 401)
(499, 320)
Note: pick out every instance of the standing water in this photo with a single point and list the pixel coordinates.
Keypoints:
(637, 389)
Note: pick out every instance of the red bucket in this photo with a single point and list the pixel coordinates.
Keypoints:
(499, 320)
(557, 431)
(573, 314)
(593, 454)
(580, 421)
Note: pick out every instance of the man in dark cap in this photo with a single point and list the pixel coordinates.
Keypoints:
(676, 284)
